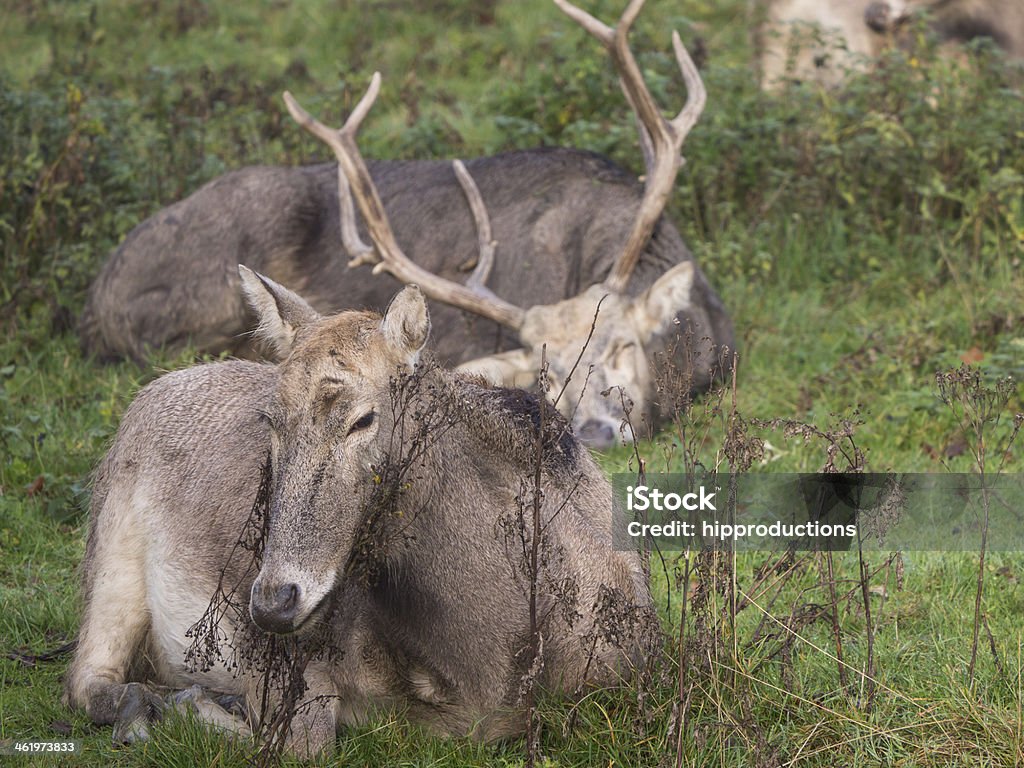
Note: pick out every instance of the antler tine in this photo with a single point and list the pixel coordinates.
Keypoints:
(330, 136)
(360, 251)
(485, 243)
(696, 94)
(390, 257)
(597, 28)
(661, 154)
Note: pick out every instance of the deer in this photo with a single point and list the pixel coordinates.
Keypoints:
(388, 546)
(958, 21)
(574, 249)
(857, 31)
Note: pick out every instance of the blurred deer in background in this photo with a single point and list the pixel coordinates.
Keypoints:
(820, 40)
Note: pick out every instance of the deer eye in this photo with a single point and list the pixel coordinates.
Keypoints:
(363, 423)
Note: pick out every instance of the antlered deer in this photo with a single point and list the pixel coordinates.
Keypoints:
(854, 31)
(389, 535)
(569, 228)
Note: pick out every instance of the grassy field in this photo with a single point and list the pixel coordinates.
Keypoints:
(863, 241)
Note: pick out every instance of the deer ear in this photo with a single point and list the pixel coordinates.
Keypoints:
(406, 324)
(281, 312)
(658, 306)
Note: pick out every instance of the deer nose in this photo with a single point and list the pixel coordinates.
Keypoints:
(275, 609)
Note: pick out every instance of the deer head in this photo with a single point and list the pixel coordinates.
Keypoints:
(591, 346)
(329, 427)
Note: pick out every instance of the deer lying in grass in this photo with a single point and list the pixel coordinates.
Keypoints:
(569, 227)
(386, 569)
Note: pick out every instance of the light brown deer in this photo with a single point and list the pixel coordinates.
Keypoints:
(821, 40)
(389, 556)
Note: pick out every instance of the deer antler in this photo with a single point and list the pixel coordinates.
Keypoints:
(486, 244)
(664, 138)
(473, 297)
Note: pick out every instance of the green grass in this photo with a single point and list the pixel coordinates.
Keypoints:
(862, 241)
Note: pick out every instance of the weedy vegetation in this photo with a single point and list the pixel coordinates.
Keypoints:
(868, 243)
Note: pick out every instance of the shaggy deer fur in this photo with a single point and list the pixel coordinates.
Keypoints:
(391, 544)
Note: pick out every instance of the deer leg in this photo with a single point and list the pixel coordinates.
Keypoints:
(222, 713)
(313, 727)
(116, 619)
(313, 730)
(136, 708)
(139, 707)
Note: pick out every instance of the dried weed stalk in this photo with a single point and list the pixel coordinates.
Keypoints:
(979, 409)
